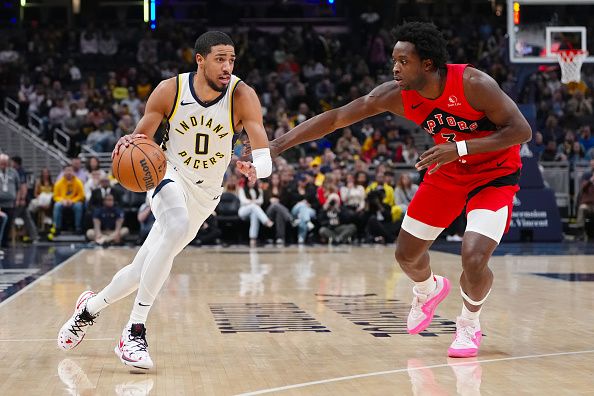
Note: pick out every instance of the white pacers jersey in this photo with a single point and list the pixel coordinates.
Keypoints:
(199, 140)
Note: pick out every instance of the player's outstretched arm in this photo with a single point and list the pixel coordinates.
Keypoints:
(159, 105)
(385, 97)
(483, 94)
(249, 113)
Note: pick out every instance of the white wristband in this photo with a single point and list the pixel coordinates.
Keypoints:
(262, 162)
(462, 148)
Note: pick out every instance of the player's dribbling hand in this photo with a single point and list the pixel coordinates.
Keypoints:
(439, 155)
(247, 169)
(125, 141)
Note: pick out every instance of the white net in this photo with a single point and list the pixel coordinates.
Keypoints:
(571, 65)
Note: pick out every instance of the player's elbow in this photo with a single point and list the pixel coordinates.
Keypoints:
(525, 133)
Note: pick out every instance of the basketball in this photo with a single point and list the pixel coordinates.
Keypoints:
(140, 166)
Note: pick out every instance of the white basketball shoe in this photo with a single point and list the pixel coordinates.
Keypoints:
(467, 340)
(133, 348)
(424, 305)
(73, 331)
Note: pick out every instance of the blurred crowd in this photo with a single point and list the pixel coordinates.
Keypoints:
(353, 185)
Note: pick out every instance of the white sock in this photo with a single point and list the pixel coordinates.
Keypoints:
(427, 286)
(467, 314)
(94, 305)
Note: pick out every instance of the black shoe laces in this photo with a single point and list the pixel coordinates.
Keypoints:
(83, 319)
(138, 338)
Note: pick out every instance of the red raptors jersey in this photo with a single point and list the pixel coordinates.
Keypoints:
(450, 118)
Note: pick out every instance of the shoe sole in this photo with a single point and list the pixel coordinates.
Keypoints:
(128, 362)
(466, 352)
(84, 296)
(462, 353)
(438, 299)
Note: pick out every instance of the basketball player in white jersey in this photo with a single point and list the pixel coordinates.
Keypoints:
(204, 110)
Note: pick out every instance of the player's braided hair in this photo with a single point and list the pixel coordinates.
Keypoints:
(428, 40)
(206, 41)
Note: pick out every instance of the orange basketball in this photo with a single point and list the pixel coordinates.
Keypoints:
(141, 166)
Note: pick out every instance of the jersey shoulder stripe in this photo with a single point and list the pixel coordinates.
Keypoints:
(231, 105)
(176, 99)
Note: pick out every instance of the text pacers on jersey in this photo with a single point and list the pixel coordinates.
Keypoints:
(198, 163)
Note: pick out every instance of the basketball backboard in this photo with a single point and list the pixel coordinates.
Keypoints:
(539, 28)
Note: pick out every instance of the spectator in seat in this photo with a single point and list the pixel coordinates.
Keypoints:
(303, 195)
(21, 211)
(9, 189)
(347, 143)
(93, 183)
(380, 185)
(78, 170)
(275, 209)
(379, 227)
(333, 228)
(586, 138)
(353, 198)
(105, 188)
(93, 164)
(108, 223)
(251, 198)
(68, 193)
(370, 145)
(102, 140)
(537, 145)
(405, 191)
(43, 195)
(551, 153)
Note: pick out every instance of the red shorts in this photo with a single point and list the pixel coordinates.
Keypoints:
(441, 198)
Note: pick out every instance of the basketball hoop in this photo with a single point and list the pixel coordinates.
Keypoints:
(571, 61)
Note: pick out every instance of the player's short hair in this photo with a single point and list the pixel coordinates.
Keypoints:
(427, 39)
(206, 41)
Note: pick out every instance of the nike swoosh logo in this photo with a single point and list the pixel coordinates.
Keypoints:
(501, 163)
(415, 106)
(186, 103)
(144, 305)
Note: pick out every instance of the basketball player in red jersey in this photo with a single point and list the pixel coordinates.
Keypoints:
(475, 163)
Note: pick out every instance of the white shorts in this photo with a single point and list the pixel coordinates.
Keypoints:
(176, 190)
(483, 221)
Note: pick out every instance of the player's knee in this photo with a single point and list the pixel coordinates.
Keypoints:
(177, 230)
(474, 261)
(405, 257)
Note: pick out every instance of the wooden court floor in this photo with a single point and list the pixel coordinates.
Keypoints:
(311, 321)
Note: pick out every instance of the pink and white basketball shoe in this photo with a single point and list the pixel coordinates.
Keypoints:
(467, 340)
(423, 305)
